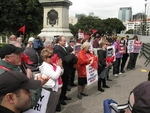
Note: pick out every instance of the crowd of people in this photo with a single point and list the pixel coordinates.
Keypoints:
(57, 65)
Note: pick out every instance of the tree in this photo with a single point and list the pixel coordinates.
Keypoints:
(113, 24)
(109, 25)
(16, 13)
(87, 23)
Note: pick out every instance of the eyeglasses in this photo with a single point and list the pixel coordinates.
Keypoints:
(50, 56)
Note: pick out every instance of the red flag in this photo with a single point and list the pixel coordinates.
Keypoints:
(93, 31)
(55, 58)
(22, 29)
(110, 59)
(87, 37)
(95, 64)
(25, 58)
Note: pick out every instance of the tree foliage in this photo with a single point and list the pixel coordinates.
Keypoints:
(109, 25)
(16, 13)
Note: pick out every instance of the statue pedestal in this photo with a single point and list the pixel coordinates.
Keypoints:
(55, 19)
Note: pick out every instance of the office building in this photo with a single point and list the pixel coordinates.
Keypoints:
(125, 14)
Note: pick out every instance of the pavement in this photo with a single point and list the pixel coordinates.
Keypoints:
(119, 90)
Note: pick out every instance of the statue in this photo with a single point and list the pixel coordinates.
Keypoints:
(52, 17)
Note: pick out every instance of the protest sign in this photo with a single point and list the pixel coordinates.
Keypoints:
(122, 47)
(80, 35)
(110, 54)
(41, 105)
(134, 46)
(110, 51)
(92, 75)
(77, 48)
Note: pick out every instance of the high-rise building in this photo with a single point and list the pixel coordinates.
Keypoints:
(78, 16)
(125, 14)
(138, 16)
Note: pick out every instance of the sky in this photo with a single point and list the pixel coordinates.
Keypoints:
(107, 8)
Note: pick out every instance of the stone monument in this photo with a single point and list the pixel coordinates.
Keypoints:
(55, 19)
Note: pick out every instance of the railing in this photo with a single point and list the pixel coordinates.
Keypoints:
(145, 52)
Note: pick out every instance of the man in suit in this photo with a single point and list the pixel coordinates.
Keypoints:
(67, 58)
(70, 49)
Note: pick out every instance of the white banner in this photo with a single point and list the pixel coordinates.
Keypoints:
(41, 105)
(92, 75)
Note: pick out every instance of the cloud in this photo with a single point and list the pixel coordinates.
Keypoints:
(106, 8)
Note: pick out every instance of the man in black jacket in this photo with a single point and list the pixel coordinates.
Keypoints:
(67, 58)
(70, 49)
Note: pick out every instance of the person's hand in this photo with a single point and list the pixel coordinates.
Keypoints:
(91, 60)
(73, 52)
(59, 63)
(43, 79)
(110, 64)
(29, 73)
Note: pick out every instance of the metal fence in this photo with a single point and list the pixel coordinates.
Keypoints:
(145, 52)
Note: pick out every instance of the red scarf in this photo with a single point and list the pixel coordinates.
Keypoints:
(59, 79)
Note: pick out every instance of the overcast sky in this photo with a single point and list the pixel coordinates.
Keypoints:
(106, 8)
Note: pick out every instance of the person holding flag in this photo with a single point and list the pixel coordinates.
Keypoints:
(103, 66)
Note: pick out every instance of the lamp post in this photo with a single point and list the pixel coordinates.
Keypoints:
(145, 18)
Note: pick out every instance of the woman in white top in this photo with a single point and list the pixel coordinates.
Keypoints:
(54, 70)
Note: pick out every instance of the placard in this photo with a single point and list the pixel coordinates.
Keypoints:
(122, 47)
(41, 105)
(77, 48)
(134, 46)
(110, 51)
(92, 75)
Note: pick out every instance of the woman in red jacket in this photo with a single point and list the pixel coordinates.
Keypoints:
(85, 57)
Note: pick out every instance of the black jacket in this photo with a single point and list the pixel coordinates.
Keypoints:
(101, 60)
(67, 59)
(5, 110)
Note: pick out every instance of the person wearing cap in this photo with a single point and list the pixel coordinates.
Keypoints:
(139, 99)
(15, 95)
(33, 56)
(11, 60)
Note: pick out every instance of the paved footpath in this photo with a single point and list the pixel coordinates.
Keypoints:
(119, 91)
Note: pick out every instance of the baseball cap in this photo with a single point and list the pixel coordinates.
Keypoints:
(13, 80)
(8, 49)
(141, 98)
(31, 39)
